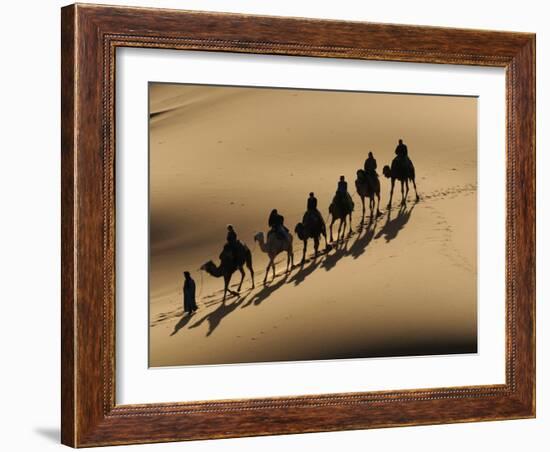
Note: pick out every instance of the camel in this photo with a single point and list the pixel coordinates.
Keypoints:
(401, 169)
(311, 227)
(368, 186)
(274, 246)
(230, 264)
(339, 210)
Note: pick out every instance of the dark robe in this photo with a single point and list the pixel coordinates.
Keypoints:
(276, 224)
(342, 186)
(189, 303)
(370, 165)
(276, 220)
(231, 237)
(312, 203)
(401, 150)
(343, 195)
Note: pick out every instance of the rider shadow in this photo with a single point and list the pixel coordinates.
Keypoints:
(391, 228)
(266, 291)
(215, 317)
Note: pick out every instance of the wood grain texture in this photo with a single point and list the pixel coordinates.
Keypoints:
(90, 36)
(67, 226)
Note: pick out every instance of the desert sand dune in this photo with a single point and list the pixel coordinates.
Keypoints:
(402, 284)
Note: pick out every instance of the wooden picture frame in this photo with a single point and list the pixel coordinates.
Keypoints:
(90, 36)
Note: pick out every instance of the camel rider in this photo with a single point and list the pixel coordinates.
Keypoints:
(231, 235)
(401, 149)
(370, 165)
(370, 171)
(342, 192)
(312, 207)
(402, 152)
(312, 202)
(231, 247)
(276, 224)
(342, 186)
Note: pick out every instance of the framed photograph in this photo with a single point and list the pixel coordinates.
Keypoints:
(281, 225)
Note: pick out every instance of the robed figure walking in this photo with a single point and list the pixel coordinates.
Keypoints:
(189, 302)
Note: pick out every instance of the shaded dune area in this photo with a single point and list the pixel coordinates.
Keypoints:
(400, 284)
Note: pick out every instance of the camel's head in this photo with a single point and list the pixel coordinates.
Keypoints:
(259, 237)
(386, 171)
(206, 265)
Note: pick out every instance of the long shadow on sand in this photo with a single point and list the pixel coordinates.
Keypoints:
(305, 270)
(182, 322)
(392, 227)
(364, 234)
(266, 291)
(353, 244)
(215, 317)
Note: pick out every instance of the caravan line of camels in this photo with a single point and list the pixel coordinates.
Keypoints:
(236, 255)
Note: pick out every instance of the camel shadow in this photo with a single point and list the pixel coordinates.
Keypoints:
(304, 271)
(392, 227)
(360, 244)
(266, 291)
(364, 234)
(215, 317)
(340, 251)
(347, 246)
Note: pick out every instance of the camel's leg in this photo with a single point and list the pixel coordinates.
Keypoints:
(316, 245)
(343, 224)
(371, 207)
(350, 221)
(378, 213)
(325, 236)
(402, 192)
(252, 276)
(227, 281)
(267, 270)
(391, 192)
(248, 263)
(331, 223)
(304, 251)
(407, 186)
(414, 185)
(288, 261)
(291, 253)
(242, 278)
(363, 203)
(273, 268)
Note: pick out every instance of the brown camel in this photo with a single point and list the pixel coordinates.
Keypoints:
(339, 209)
(401, 169)
(312, 227)
(274, 246)
(230, 263)
(368, 186)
